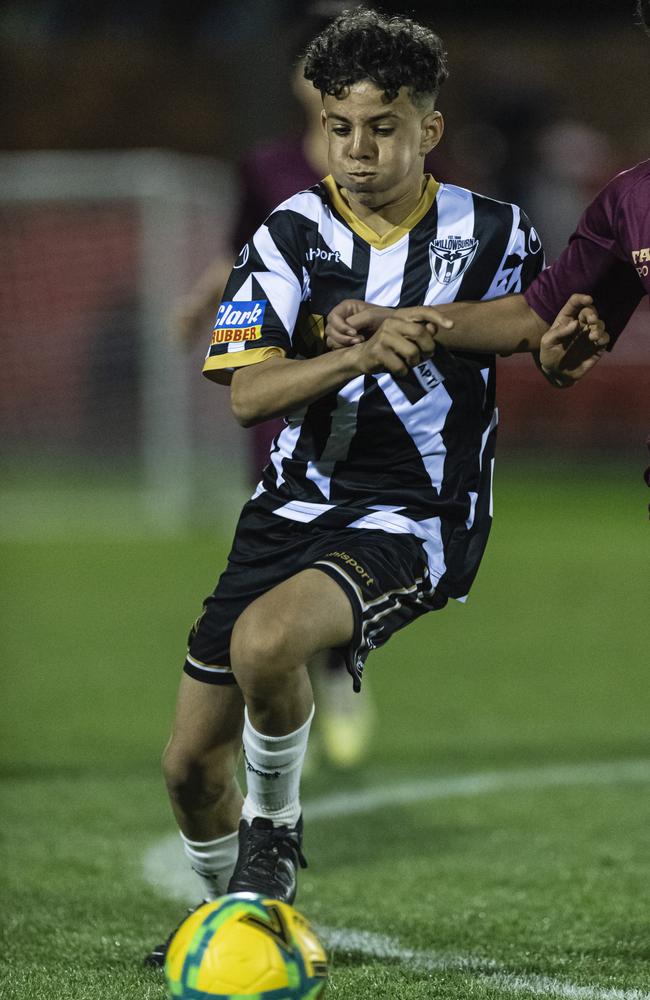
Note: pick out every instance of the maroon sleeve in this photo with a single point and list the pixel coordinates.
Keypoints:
(593, 264)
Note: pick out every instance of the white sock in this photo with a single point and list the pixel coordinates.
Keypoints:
(273, 769)
(213, 861)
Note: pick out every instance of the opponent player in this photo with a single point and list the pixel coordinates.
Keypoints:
(376, 506)
(608, 257)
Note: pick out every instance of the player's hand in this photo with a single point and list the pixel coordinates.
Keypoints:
(397, 346)
(353, 321)
(338, 330)
(574, 344)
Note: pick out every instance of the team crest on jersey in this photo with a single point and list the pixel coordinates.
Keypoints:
(239, 321)
(451, 256)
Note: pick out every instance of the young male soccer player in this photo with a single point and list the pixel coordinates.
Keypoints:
(607, 260)
(272, 171)
(376, 505)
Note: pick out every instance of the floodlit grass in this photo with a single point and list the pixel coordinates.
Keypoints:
(547, 663)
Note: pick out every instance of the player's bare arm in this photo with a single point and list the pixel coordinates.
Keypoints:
(279, 385)
(503, 326)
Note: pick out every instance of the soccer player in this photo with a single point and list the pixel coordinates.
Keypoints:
(270, 173)
(376, 505)
(607, 260)
(607, 257)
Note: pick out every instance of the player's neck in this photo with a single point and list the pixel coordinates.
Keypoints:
(383, 218)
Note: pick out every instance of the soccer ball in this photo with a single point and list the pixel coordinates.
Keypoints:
(245, 945)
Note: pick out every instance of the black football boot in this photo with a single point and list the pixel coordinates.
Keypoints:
(268, 859)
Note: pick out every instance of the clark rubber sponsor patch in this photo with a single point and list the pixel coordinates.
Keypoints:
(239, 321)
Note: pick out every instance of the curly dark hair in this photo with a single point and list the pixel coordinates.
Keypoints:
(643, 11)
(391, 52)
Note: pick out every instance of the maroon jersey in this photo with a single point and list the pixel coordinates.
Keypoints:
(608, 255)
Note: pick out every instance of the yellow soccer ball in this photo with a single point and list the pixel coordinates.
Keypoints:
(245, 946)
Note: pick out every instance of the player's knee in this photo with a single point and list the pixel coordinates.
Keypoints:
(195, 781)
(261, 647)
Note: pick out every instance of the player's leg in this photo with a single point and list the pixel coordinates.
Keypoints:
(272, 642)
(275, 637)
(199, 764)
(360, 587)
(200, 759)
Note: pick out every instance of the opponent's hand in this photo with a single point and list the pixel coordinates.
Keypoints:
(574, 344)
(398, 345)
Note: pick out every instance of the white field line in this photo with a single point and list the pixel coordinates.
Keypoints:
(457, 786)
(166, 868)
(484, 971)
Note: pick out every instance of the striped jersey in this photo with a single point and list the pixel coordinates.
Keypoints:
(401, 454)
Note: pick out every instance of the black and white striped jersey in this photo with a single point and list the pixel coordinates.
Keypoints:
(402, 454)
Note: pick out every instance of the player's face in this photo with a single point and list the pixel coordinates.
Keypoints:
(377, 147)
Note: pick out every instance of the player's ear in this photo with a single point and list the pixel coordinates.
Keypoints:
(323, 121)
(432, 127)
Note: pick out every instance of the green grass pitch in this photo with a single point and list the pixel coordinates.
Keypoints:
(534, 889)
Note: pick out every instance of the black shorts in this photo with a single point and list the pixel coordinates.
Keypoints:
(385, 576)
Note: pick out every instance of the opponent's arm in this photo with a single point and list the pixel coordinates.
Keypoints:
(500, 326)
(279, 385)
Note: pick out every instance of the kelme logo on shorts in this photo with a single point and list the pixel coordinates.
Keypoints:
(239, 321)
